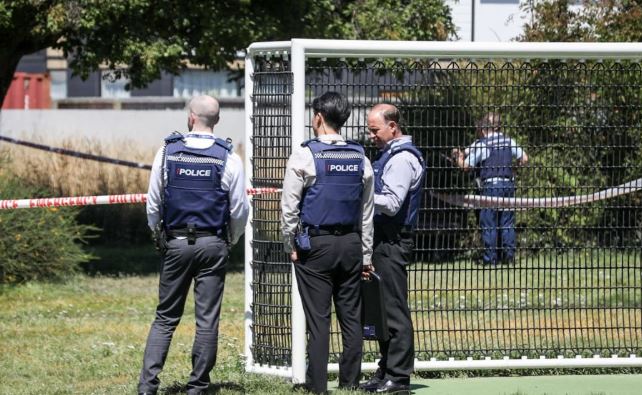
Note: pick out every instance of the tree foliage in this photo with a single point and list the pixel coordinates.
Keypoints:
(141, 38)
(592, 103)
(588, 21)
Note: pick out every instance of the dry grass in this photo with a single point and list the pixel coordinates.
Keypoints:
(64, 175)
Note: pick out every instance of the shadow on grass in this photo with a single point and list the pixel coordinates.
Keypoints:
(178, 388)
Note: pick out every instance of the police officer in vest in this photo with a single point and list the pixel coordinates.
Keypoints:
(327, 209)
(399, 173)
(492, 155)
(198, 207)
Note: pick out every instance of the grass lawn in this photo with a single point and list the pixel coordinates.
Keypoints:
(88, 335)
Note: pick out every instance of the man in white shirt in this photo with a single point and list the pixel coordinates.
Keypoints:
(197, 206)
(327, 209)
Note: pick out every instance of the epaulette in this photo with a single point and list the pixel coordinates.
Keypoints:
(174, 137)
(227, 144)
(307, 142)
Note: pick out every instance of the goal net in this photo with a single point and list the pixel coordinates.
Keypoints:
(572, 297)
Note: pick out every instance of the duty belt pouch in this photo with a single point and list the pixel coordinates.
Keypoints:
(302, 240)
(373, 309)
(160, 238)
(191, 234)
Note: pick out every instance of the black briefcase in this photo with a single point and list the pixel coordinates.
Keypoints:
(373, 312)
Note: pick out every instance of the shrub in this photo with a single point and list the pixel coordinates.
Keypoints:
(122, 225)
(38, 244)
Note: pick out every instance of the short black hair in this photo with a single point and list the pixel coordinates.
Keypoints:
(334, 107)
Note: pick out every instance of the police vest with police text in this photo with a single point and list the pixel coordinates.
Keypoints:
(499, 162)
(335, 199)
(193, 196)
(408, 212)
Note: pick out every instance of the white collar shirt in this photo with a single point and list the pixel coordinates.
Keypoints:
(233, 181)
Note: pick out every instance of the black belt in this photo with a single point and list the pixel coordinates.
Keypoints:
(192, 233)
(391, 232)
(394, 227)
(331, 230)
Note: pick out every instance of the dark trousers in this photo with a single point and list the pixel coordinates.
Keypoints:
(498, 226)
(332, 269)
(390, 258)
(203, 262)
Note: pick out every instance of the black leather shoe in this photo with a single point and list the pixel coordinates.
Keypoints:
(390, 387)
(371, 385)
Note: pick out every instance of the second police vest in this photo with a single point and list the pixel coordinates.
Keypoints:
(408, 212)
(500, 158)
(335, 199)
(193, 195)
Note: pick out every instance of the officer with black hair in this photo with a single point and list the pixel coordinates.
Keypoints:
(399, 174)
(198, 207)
(327, 210)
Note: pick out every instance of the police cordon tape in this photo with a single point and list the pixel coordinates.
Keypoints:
(518, 203)
(11, 204)
(466, 201)
(76, 154)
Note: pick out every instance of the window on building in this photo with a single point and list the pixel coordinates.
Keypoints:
(113, 88)
(58, 84)
(205, 82)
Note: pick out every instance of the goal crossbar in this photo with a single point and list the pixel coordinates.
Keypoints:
(444, 49)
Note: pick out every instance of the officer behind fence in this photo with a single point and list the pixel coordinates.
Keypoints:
(198, 206)
(399, 173)
(492, 154)
(327, 206)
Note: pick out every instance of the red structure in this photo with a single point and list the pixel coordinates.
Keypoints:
(28, 91)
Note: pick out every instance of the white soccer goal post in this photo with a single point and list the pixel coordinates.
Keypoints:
(573, 295)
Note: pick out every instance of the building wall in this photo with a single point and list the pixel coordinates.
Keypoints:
(144, 128)
(462, 17)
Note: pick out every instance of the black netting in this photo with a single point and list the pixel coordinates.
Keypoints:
(575, 287)
(271, 285)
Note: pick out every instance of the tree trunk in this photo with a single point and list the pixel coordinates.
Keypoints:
(8, 66)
